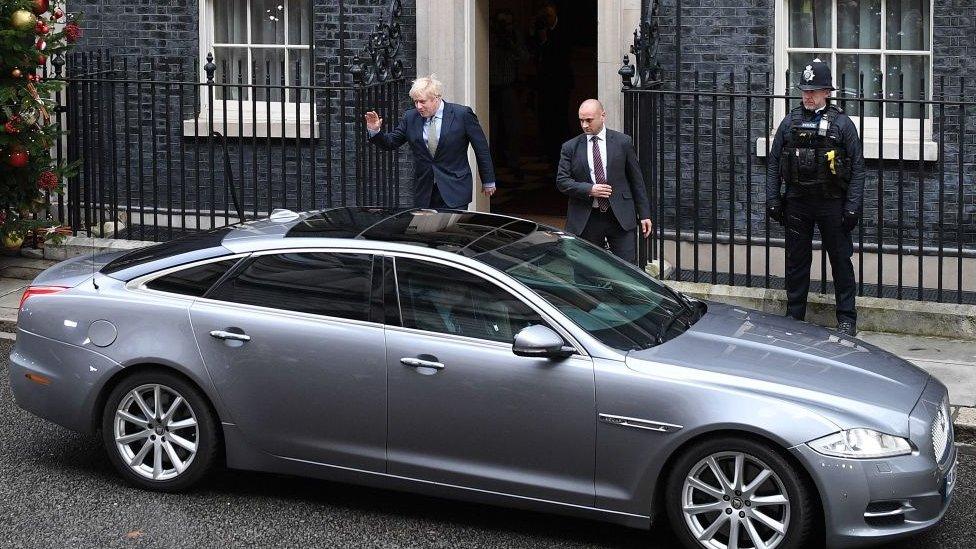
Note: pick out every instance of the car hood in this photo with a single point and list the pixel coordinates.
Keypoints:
(795, 360)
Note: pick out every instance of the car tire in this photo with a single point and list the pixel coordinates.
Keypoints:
(159, 431)
(705, 511)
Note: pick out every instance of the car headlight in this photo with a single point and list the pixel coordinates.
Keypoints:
(861, 444)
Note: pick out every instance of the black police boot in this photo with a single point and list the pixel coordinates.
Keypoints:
(847, 327)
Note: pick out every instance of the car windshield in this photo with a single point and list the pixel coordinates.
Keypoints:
(603, 295)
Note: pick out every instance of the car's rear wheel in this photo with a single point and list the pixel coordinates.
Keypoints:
(159, 431)
(730, 493)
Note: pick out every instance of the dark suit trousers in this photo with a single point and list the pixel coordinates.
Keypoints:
(827, 214)
(603, 228)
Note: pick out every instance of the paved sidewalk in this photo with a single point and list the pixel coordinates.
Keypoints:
(951, 361)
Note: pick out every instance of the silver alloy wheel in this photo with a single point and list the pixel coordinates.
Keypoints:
(156, 432)
(731, 500)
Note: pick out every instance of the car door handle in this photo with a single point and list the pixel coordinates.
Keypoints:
(221, 334)
(418, 363)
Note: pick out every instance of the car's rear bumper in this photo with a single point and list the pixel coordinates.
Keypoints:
(74, 377)
(877, 500)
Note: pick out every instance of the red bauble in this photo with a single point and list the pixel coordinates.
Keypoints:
(33, 78)
(10, 127)
(58, 13)
(41, 28)
(41, 59)
(18, 158)
(47, 181)
(40, 6)
(72, 32)
(40, 44)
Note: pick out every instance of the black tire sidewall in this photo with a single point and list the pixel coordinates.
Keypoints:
(801, 507)
(207, 443)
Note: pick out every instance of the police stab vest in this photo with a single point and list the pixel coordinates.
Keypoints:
(813, 159)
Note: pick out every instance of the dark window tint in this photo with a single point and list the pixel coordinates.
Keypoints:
(199, 241)
(442, 299)
(193, 281)
(318, 283)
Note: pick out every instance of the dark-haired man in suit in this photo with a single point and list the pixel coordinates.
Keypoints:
(598, 171)
(439, 134)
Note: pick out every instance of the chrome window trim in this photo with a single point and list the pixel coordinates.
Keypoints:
(518, 290)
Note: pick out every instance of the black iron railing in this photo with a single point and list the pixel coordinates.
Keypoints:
(165, 152)
(703, 152)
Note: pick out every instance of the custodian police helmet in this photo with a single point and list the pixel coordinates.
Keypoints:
(816, 76)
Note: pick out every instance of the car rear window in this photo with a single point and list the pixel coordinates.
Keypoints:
(193, 281)
(163, 250)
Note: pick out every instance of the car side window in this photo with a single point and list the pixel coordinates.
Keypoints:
(322, 283)
(194, 281)
(438, 298)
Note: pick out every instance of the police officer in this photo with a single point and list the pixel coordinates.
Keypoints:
(817, 154)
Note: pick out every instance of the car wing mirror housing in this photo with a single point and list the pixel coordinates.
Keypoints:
(541, 341)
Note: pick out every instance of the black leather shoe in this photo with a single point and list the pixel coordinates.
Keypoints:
(847, 327)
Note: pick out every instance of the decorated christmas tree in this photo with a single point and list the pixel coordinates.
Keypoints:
(30, 32)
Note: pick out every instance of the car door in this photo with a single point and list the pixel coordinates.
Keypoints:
(465, 410)
(297, 357)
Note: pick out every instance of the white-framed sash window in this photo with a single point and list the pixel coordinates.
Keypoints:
(876, 49)
(256, 43)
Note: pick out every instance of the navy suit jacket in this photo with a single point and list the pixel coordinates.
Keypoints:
(448, 169)
(629, 197)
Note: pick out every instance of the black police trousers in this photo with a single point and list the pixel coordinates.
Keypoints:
(802, 213)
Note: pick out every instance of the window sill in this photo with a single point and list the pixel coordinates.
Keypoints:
(233, 127)
(910, 149)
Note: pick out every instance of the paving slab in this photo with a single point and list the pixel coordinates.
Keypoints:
(12, 285)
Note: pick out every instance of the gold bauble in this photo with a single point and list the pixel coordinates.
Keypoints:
(23, 20)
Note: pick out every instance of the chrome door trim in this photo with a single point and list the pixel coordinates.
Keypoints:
(637, 423)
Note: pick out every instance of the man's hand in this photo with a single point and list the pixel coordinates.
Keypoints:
(373, 121)
(646, 227)
(774, 210)
(600, 191)
(488, 191)
(850, 220)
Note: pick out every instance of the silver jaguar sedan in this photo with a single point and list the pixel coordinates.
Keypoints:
(485, 358)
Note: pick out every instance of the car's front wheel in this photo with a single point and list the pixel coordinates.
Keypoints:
(731, 493)
(159, 431)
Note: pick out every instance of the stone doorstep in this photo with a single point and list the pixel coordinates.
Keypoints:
(922, 318)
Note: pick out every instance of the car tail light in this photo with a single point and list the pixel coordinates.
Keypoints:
(39, 290)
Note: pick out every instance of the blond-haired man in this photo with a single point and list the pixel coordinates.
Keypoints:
(439, 134)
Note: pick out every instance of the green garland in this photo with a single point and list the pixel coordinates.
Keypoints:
(31, 31)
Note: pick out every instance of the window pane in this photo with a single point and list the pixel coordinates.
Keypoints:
(298, 65)
(859, 24)
(232, 68)
(907, 24)
(194, 281)
(267, 22)
(810, 23)
(327, 284)
(907, 78)
(230, 22)
(848, 81)
(442, 299)
(298, 20)
(268, 68)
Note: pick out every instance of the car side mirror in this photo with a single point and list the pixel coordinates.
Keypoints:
(541, 341)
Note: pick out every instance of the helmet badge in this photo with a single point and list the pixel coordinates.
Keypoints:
(808, 73)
